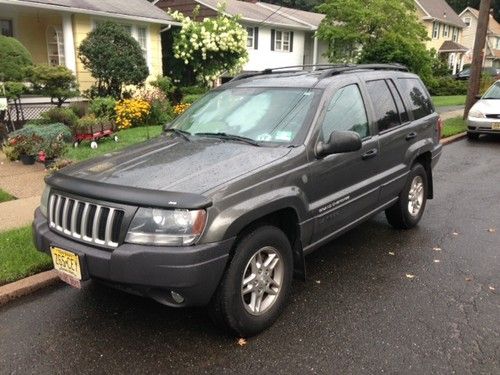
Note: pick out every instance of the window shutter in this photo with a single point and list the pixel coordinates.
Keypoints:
(273, 32)
(291, 41)
(256, 38)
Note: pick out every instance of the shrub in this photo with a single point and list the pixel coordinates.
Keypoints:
(165, 84)
(439, 86)
(103, 107)
(26, 144)
(191, 98)
(57, 82)
(79, 108)
(60, 115)
(193, 90)
(11, 153)
(14, 58)
(131, 112)
(114, 58)
(179, 109)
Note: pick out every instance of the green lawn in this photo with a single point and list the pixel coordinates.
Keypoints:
(18, 256)
(4, 196)
(453, 126)
(126, 138)
(445, 101)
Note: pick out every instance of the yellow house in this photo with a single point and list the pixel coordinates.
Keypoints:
(445, 31)
(52, 30)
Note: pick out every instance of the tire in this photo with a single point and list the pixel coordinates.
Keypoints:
(237, 312)
(406, 214)
(472, 136)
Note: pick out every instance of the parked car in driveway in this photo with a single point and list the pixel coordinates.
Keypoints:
(222, 208)
(484, 116)
(491, 71)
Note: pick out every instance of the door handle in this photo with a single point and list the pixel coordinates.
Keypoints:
(411, 135)
(370, 154)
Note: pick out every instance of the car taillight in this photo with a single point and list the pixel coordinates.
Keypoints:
(440, 124)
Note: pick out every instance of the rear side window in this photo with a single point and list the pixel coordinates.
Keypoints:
(403, 114)
(420, 103)
(346, 111)
(386, 112)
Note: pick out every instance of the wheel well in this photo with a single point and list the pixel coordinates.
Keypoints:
(426, 160)
(285, 219)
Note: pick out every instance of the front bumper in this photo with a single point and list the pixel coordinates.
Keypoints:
(194, 272)
(482, 125)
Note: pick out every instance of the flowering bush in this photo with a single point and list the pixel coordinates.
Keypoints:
(211, 46)
(131, 112)
(160, 108)
(181, 108)
(29, 145)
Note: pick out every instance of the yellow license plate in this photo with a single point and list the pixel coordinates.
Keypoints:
(66, 262)
(495, 126)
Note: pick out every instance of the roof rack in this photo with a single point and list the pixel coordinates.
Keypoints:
(327, 70)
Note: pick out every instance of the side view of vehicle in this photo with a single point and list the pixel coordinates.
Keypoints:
(223, 207)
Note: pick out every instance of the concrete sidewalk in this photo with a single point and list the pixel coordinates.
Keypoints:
(24, 182)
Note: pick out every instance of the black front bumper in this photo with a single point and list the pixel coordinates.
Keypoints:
(194, 272)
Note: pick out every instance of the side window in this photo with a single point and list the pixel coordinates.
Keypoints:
(386, 113)
(403, 113)
(346, 111)
(420, 103)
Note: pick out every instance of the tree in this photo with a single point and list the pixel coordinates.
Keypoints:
(212, 46)
(352, 25)
(114, 58)
(308, 5)
(57, 82)
(14, 58)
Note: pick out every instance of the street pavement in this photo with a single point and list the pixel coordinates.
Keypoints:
(376, 300)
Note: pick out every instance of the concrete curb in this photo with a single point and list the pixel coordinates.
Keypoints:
(453, 138)
(26, 286)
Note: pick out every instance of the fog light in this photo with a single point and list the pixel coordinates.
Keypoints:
(177, 297)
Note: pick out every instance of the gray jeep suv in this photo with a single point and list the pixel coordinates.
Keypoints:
(222, 208)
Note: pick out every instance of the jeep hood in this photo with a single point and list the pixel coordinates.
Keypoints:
(176, 165)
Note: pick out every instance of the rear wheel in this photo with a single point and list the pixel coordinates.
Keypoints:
(409, 208)
(256, 285)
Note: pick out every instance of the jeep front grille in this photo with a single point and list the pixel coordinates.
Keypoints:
(84, 221)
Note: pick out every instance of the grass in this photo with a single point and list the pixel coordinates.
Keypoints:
(126, 138)
(453, 126)
(445, 101)
(5, 197)
(18, 256)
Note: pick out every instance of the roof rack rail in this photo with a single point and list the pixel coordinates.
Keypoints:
(327, 70)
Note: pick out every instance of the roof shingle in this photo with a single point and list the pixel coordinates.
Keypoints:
(442, 11)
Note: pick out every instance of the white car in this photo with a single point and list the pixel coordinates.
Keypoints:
(484, 116)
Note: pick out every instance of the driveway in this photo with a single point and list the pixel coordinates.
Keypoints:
(376, 300)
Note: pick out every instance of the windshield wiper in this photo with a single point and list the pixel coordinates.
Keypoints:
(231, 137)
(184, 134)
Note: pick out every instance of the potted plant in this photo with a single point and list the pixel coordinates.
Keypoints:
(52, 149)
(27, 147)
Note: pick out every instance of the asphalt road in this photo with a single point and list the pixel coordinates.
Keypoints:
(359, 312)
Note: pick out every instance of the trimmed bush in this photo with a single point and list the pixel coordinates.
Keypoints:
(14, 59)
(60, 115)
(46, 131)
(58, 82)
(443, 86)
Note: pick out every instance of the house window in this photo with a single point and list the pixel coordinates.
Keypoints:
(467, 21)
(455, 34)
(435, 30)
(282, 41)
(250, 37)
(55, 45)
(498, 43)
(446, 31)
(142, 38)
(6, 28)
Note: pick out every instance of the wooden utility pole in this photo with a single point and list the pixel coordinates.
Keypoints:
(477, 55)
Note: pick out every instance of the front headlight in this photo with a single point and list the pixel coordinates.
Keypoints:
(476, 114)
(44, 202)
(152, 226)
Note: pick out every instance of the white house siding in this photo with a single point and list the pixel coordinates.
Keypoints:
(264, 57)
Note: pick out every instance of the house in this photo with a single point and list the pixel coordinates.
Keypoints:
(445, 31)
(52, 30)
(492, 48)
(277, 36)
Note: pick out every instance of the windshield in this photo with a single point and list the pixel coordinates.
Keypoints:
(274, 115)
(493, 92)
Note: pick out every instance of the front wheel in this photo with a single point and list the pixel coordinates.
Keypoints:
(472, 136)
(409, 208)
(256, 285)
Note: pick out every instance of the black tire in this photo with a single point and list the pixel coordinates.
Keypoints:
(472, 136)
(399, 215)
(227, 307)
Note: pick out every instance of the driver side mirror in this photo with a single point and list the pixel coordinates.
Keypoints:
(339, 143)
